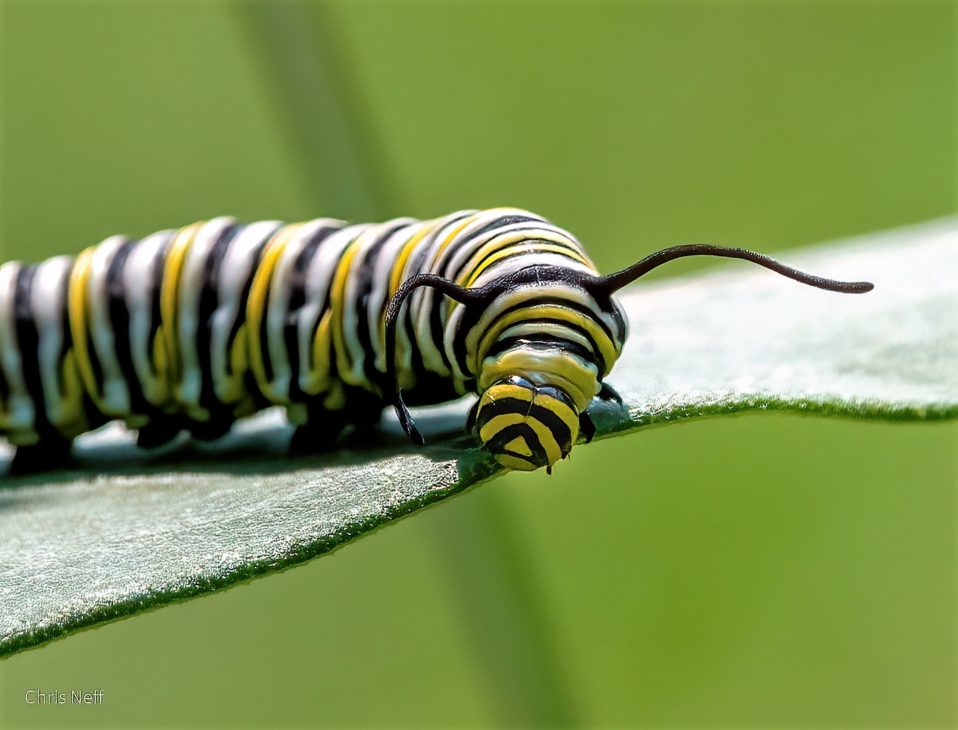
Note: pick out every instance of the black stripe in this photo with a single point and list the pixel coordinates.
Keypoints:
(327, 303)
(364, 287)
(473, 314)
(497, 444)
(431, 388)
(156, 282)
(28, 342)
(263, 333)
(520, 251)
(87, 335)
(66, 343)
(567, 245)
(500, 222)
(208, 302)
(4, 386)
(541, 342)
(417, 265)
(440, 307)
(297, 300)
(550, 274)
(517, 455)
(244, 299)
(503, 406)
(119, 316)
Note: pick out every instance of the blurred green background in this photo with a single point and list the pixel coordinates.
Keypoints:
(759, 570)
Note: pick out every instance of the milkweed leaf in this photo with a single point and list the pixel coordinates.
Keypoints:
(125, 532)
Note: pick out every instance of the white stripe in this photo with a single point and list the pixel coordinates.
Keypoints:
(319, 277)
(382, 273)
(190, 289)
(452, 261)
(47, 305)
(469, 256)
(234, 275)
(512, 264)
(19, 422)
(280, 286)
(527, 295)
(531, 330)
(423, 300)
(116, 395)
(140, 297)
(351, 311)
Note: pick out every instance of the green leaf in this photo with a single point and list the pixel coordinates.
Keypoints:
(127, 532)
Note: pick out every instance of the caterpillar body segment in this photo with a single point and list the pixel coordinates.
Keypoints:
(195, 328)
(192, 329)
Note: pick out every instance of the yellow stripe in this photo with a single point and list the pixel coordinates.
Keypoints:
(519, 446)
(395, 279)
(523, 248)
(546, 438)
(548, 311)
(560, 410)
(256, 305)
(320, 374)
(395, 276)
(499, 423)
(161, 366)
(509, 239)
(514, 462)
(172, 270)
(531, 331)
(338, 308)
(509, 390)
(564, 372)
(456, 230)
(75, 421)
(77, 312)
(239, 364)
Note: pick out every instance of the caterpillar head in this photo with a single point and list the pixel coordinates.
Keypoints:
(523, 417)
(526, 426)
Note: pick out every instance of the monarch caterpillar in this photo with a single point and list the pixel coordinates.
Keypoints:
(192, 329)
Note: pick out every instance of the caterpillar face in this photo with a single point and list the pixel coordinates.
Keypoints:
(527, 426)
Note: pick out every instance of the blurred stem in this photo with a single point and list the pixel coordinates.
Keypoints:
(306, 71)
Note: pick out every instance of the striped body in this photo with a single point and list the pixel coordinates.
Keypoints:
(195, 328)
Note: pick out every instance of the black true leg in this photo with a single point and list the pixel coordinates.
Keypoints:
(47, 455)
(317, 435)
(365, 419)
(586, 427)
(159, 431)
(608, 393)
(472, 416)
(216, 427)
(323, 427)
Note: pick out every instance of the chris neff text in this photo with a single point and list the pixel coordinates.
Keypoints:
(57, 697)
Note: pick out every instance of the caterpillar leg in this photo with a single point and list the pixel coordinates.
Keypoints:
(586, 427)
(218, 425)
(472, 416)
(323, 427)
(608, 393)
(47, 455)
(159, 431)
(318, 435)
